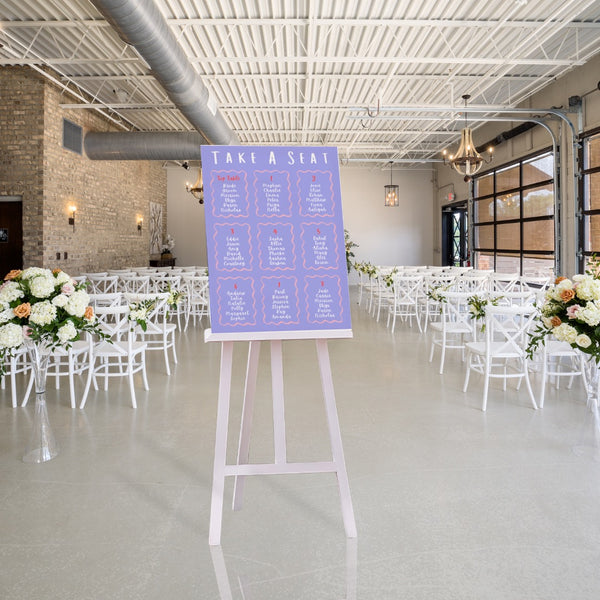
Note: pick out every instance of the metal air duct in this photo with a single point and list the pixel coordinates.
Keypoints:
(143, 145)
(140, 24)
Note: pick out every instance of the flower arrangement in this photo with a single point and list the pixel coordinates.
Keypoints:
(478, 304)
(42, 306)
(139, 311)
(168, 245)
(349, 253)
(366, 268)
(175, 296)
(570, 312)
(388, 278)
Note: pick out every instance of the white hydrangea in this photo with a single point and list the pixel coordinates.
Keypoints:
(565, 333)
(590, 314)
(138, 313)
(62, 278)
(11, 335)
(583, 340)
(588, 288)
(42, 313)
(42, 287)
(6, 315)
(67, 332)
(9, 291)
(78, 302)
(60, 300)
(36, 272)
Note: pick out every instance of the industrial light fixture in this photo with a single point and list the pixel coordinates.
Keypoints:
(392, 196)
(196, 189)
(72, 210)
(467, 161)
(140, 222)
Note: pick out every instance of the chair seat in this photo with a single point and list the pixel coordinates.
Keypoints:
(480, 348)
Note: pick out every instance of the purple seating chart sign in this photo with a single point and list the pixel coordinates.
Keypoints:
(275, 236)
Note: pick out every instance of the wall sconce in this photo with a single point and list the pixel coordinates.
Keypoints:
(72, 210)
(140, 222)
(392, 194)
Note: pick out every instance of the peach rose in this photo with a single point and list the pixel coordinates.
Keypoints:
(12, 274)
(22, 311)
(89, 313)
(56, 271)
(559, 279)
(567, 295)
(555, 321)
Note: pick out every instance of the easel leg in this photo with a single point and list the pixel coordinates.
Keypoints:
(336, 438)
(246, 424)
(218, 486)
(278, 407)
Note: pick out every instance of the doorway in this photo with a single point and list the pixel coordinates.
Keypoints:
(11, 234)
(454, 235)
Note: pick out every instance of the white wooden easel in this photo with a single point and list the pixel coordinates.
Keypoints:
(242, 468)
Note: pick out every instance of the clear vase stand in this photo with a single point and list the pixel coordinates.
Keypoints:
(588, 443)
(42, 444)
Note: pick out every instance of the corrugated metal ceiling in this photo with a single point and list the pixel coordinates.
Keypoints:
(305, 72)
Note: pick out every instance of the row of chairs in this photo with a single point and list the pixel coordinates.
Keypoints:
(123, 353)
(493, 346)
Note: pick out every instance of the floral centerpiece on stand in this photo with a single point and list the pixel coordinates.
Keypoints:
(570, 312)
(41, 310)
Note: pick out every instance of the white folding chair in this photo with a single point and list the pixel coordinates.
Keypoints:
(404, 301)
(455, 327)
(159, 333)
(502, 353)
(122, 355)
(197, 298)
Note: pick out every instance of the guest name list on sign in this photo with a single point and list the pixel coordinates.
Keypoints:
(275, 237)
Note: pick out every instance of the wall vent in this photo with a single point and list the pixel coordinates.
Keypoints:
(72, 136)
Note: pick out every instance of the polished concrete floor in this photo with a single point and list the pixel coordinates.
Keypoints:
(450, 502)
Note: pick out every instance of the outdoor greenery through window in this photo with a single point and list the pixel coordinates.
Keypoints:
(589, 195)
(513, 217)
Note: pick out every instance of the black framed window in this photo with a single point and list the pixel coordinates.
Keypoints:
(589, 198)
(513, 217)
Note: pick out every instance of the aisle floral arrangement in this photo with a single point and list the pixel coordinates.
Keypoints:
(571, 313)
(45, 307)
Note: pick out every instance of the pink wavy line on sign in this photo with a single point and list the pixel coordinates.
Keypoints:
(260, 260)
(339, 296)
(294, 280)
(219, 303)
(289, 188)
(216, 246)
(245, 200)
(335, 247)
(328, 175)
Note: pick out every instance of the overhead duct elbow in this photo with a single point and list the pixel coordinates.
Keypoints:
(141, 24)
(142, 145)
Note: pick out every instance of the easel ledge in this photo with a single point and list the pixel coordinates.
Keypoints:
(262, 336)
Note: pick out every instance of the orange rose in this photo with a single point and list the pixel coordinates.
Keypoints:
(12, 274)
(89, 313)
(22, 311)
(555, 321)
(56, 271)
(559, 279)
(567, 295)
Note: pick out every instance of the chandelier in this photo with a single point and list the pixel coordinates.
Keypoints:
(391, 191)
(196, 189)
(467, 161)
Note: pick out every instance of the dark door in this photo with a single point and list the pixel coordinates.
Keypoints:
(454, 236)
(11, 234)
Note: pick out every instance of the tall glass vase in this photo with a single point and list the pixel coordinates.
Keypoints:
(588, 443)
(42, 445)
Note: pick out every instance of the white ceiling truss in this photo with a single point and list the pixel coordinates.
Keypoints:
(315, 72)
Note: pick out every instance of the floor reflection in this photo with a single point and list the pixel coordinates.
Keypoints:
(224, 578)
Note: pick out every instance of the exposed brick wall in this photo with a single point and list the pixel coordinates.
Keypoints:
(109, 195)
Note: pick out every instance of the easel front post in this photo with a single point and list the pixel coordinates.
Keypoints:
(218, 486)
